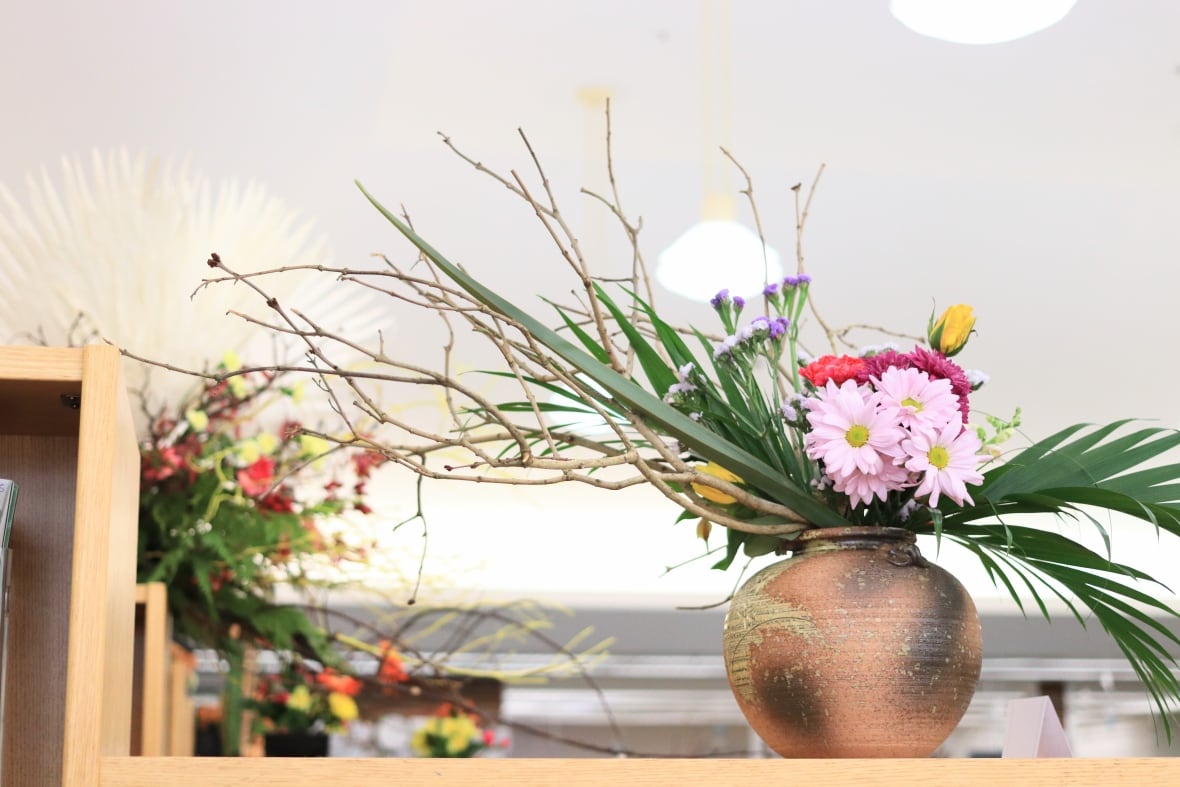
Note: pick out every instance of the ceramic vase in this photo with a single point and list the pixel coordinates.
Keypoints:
(856, 646)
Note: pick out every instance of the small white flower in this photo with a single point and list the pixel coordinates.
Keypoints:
(977, 378)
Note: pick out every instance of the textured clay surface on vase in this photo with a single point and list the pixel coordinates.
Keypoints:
(854, 647)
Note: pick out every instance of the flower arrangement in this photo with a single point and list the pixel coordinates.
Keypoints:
(229, 509)
(453, 733)
(300, 699)
(746, 431)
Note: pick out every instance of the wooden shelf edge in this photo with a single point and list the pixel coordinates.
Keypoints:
(341, 772)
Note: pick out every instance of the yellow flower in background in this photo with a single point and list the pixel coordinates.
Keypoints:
(716, 495)
(231, 361)
(267, 443)
(299, 699)
(419, 743)
(237, 386)
(197, 419)
(950, 333)
(249, 451)
(296, 392)
(458, 730)
(310, 445)
(342, 706)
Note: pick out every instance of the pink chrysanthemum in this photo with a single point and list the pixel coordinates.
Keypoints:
(849, 434)
(915, 400)
(863, 487)
(948, 460)
(935, 364)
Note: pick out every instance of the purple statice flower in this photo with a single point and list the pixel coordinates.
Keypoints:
(791, 282)
(720, 299)
(778, 327)
(758, 327)
(770, 290)
(802, 278)
(739, 302)
(723, 349)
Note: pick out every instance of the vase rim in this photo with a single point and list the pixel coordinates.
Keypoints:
(858, 531)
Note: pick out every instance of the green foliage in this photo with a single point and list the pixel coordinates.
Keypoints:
(229, 509)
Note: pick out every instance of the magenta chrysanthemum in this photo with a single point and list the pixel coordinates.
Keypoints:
(853, 438)
(915, 400)
(947, 459)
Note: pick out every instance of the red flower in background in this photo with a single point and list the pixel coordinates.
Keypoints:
(258, 477)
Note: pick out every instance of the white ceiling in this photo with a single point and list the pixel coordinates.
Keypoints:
(1034, 179)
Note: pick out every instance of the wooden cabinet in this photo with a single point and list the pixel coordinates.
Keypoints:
(67, 438)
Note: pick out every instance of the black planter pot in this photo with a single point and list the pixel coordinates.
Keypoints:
(296, 744)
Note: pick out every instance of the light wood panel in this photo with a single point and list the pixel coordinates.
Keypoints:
(150, 695)
(339, 772)
(66, 437)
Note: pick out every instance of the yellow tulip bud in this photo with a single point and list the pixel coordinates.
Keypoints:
(716, 495)
(954, 327)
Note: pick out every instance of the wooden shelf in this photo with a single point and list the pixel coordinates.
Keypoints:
(67, 438)
(68, 712)
(340, 772)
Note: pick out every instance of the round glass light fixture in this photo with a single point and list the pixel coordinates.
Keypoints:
(717, 254)
(979, 21)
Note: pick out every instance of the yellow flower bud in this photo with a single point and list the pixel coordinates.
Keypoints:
(231, 361)
(342, 706)
(310, 445)
(237, 386)
(716, 495)
(704, 528)
(249, 451)
(299, 698)
(267, 443)
(197, 419)
(950, 333)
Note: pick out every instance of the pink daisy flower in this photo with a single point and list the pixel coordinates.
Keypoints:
(916, 401)
(948, 460)
(863, 487)
(934, 363)
(849, 434)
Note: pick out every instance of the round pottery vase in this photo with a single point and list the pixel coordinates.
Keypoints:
(855, 646)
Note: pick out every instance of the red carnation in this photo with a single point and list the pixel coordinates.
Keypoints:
(836, 368)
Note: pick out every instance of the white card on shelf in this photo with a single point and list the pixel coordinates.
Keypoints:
(1034, 730)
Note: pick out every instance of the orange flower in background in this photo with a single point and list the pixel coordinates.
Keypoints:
(393, 669)
(335, 682)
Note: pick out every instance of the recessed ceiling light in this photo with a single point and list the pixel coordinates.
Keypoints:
(979, 21)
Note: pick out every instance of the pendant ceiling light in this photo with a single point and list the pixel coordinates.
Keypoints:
(979, 21)
(718, 252)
